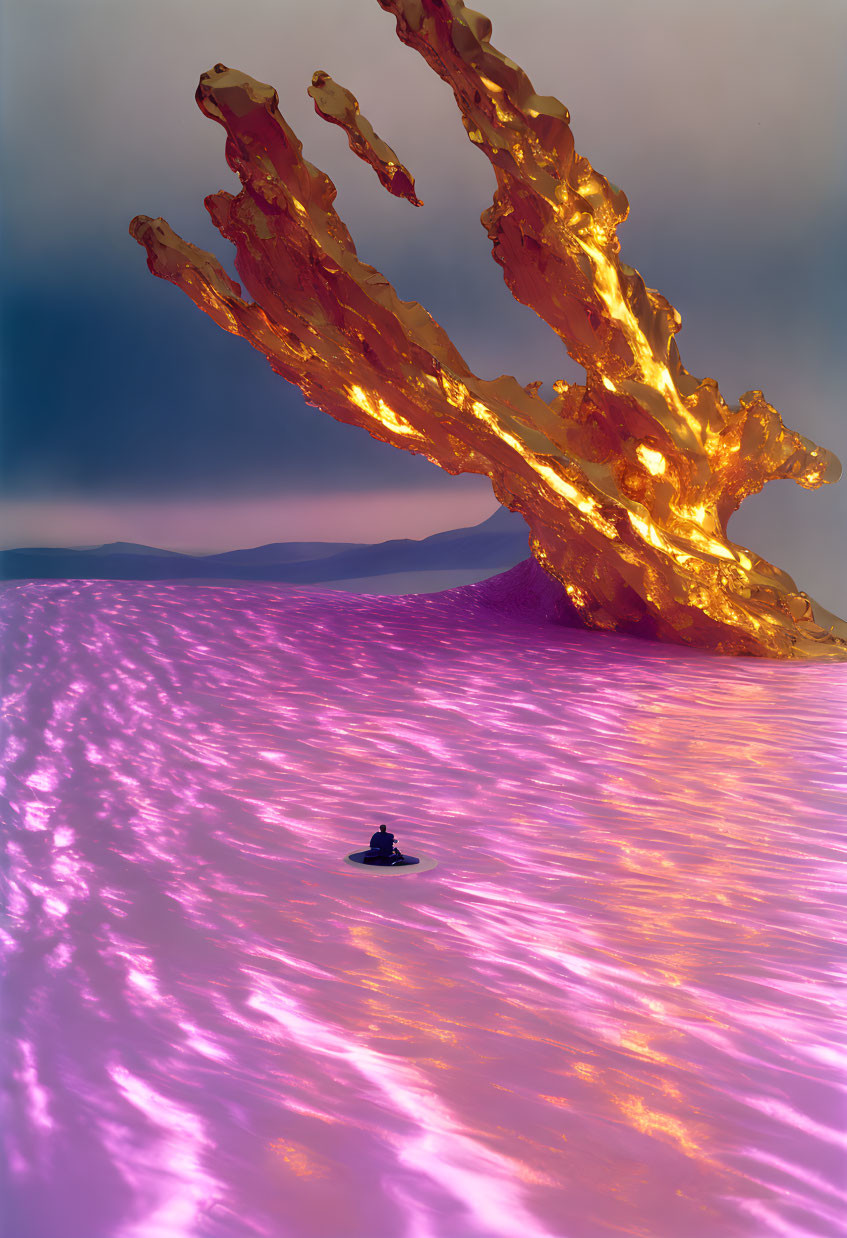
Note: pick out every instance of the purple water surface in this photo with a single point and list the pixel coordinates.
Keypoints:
(615, 1007)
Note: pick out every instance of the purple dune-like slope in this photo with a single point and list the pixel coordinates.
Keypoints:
(613, 1008)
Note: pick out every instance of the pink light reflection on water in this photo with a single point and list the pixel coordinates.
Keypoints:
(617, 1010)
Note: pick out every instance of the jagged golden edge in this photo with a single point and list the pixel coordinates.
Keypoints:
(625, 482)
(340, 107)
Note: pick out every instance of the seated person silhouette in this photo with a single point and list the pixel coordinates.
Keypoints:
(382, 848)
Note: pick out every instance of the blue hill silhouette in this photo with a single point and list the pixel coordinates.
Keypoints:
(497, 543)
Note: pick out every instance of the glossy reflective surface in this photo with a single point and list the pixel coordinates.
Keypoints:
(615, 1007)
(638, 470)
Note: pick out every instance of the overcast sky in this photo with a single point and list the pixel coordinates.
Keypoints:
(723, 122)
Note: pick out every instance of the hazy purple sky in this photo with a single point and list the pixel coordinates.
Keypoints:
(723, 122)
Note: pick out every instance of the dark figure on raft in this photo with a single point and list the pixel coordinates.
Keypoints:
(382, 847)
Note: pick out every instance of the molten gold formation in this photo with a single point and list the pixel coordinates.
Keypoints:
(340, 107)
(626, 482)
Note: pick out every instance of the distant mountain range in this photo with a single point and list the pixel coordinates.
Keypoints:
(498, 543)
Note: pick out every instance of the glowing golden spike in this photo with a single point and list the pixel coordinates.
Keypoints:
(627, 482)
(340, 107)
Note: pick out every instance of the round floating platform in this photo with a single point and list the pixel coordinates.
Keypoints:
(410, 864)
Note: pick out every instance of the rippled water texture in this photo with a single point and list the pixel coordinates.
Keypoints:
(613, 1008)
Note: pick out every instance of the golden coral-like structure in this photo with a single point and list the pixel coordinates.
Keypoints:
(626, 482)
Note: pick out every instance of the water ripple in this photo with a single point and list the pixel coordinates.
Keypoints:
(615, 1007)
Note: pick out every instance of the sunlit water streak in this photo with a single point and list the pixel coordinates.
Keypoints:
(615, 1007)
